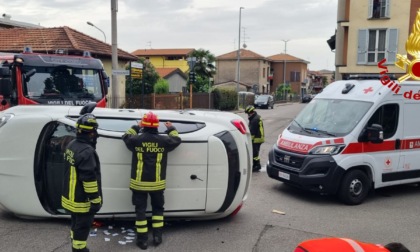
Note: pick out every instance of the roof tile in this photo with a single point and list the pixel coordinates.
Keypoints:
(47, 40)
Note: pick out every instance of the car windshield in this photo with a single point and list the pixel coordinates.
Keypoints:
(262, 98)
(329, 117)
(49, 84)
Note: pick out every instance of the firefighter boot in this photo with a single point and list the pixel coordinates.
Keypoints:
(256, 166)
(142, 241)
(157, 236)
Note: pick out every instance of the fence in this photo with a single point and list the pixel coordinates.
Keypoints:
(170, 101)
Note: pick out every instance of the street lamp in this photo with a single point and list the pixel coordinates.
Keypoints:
(89, 23)
(238, 70)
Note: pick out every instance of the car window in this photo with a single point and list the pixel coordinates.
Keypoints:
(123, 124)
(262, 98)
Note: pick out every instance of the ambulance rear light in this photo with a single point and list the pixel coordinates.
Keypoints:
(239, 125)
(327, 149)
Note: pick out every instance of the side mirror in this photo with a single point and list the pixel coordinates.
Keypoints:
(106, 81)
(5, 87)
(374, 134)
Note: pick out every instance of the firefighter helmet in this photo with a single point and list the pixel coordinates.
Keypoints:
(150, 120)
(249, 109)
(87, 123)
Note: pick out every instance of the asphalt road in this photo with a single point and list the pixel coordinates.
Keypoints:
(391, 214)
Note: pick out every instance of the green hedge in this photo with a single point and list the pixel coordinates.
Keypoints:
(225, 98)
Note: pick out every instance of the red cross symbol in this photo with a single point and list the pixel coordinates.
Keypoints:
(388, 162)
(367, 90)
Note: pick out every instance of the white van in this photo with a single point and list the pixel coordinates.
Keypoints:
(354, 136)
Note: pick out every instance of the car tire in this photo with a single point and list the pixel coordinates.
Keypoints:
(354, 188)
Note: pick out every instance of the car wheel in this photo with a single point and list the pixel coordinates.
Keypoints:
(354, 187)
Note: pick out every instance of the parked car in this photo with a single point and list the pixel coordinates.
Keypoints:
(264, 101)
(307, 98)
(208, 175)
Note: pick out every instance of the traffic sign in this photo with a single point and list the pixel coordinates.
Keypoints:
(136, 65)
(120, 72)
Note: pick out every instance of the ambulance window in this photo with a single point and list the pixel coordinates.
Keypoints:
(387, 116)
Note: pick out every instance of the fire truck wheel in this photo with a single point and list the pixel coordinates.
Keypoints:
(354, 187)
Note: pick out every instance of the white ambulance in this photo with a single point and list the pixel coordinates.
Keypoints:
(354, 136)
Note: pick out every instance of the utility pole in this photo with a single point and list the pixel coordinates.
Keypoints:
(114, 10)
(284, 67)
(238, 69)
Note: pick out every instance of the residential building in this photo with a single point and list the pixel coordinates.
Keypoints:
(371, 31)
(290, 71)
(254, 70)
(48, 40)
(177, 79)
(166, 58)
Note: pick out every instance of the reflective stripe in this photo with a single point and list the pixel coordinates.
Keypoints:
(157, 217)
(157, 224)
(75, 207)
(147, 186)
(355, 245)
(141, 230)
(97, 200)
(173, 133)
(72, 182)
(71, 234)
(79, 244)
(139, 170)
(141, 223)
(158, 166)
(131, 132)
(90, 187)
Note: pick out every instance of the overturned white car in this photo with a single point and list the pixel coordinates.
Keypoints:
(208, 175)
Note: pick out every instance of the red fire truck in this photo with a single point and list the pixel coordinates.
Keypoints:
(51, 79)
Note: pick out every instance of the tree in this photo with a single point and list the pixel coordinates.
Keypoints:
(149, 76)
(204, 69)
(161, 87)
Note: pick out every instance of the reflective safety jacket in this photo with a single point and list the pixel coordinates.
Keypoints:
(257, 128)
(149, 159)
(338, 245)
(82, 177)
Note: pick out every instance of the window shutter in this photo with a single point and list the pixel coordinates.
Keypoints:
(362, 47)
(370, 9)
(392, 40)
(387, 8)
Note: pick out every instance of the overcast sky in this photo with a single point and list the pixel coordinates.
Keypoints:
(209, 24)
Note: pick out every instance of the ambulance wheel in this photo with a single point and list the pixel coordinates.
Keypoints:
(354, 187)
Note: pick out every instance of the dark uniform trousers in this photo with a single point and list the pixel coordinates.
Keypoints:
(140, 201)
(256, 155)
(80, 227)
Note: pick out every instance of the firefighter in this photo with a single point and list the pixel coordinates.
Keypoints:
(257, 135)
(148, 172)
(82, 194)
(347, 245)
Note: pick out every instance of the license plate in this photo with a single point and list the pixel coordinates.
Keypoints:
(284, 175)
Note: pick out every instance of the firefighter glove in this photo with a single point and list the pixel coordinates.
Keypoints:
(95, 207)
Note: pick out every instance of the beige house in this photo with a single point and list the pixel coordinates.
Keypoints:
(370, 31)
(254, 71)
(288, 69)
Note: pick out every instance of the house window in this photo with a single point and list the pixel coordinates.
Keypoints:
(379, 8)
(263, 72)
(377, 44)
(294, 76)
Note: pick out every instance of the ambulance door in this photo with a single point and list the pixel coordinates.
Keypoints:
(386, 155)
(409, 170)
